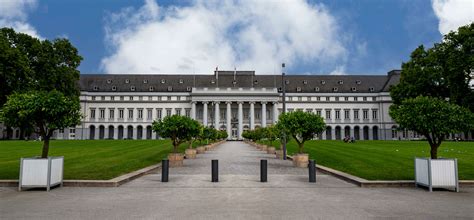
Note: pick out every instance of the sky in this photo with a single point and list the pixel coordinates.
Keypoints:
(337, 37)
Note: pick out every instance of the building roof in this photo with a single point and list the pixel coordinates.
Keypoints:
(238, 79)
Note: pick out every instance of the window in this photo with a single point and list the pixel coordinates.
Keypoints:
(102, 98)
(337, 99)
(93, 113)
(127, 81)
(298, 89)
(340, 82)
(257, 115)
(323, 82)
(356, 98)
(132, 88)
(318, 112)
(93, 98)
(309, 110)
(168, 98)
(96, 88)
(334, 89)
(130, 113)
(178, 111)
(163, 81)
(149, 113)
(181, 81)
(346, 114)
(356, 113)
(358, 82)
(280, 89)
(328, 114)
(112, 98)
(170, 88)
(140, 98)
(287, 82)
(120, 113)
(150, 98)
(178, 98)
(188, 89)
(213, 81)
(374, 98)
(365, 114)
(316, 89)
(145, 81)
(394, 133)
(131, 98)
(300, 98)
(305, 82)
(158, 114)
(353, 89)
(122, 98)
(114, 88)
(255, 82)
(152, 88)
(72, 130)
(168, 112)
(371, 89)
(365, 98)
(188, 113)
(101, 113)
(327, 98)
(374, 114)
(246, 113)
(346, 98)
(109, 81)
(318, 98)
(140, 113)
(338, 114)
(111, 113)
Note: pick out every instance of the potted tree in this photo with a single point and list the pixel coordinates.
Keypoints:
(194, 133)
(435, 119)
(283, 137)
(302, 126)
(45, 112)
(270, 134)
(179, 129)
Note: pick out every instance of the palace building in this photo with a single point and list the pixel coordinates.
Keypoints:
(124, 106)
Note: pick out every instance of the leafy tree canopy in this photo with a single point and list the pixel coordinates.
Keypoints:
(178, 128)
(443, 71)
(432, 117)
(302, 126)
(44, 111)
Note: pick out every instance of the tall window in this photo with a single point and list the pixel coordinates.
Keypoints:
(101, 113)
(374, 114)
(318, 112)
(178, 111)
(158, 114)
(356, 113)
(121, 113)
(111, 113)
(140, 113)
(130, 113)
(92, 112)
(168, 112)
(328, 114)
(188, 112)
(346, 114)
(365, 114)
(149, 114)
(338, 114)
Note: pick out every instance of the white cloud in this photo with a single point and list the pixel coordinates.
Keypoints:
(13, 13)
(453, 13)
(340, 70)
(256, 35)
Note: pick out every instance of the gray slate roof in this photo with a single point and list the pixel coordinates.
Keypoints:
(245, 79)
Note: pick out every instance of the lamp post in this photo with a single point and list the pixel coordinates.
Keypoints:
(284, 105)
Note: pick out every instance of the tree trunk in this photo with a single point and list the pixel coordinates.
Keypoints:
(190, 144)
(300, 146)
(45, 147)
(434, 151)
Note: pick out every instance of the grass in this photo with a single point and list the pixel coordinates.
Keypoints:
(384, 160)
(88, 159)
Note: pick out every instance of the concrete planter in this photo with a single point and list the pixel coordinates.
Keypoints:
(201, 150)
(41, 172)
(264, 148)
(271, 150)
(208, 147)
(190, 153)
(301, 160)
(437, 173)
(279, 154)
(176, 160)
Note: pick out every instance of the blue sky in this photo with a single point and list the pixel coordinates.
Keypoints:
(338, 36)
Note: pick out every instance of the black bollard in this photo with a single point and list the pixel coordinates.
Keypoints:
(312, 171)
(165, 167)
(263, 171)
(215, 171)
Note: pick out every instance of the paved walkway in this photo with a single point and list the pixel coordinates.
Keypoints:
(238, 195)
(239, 166)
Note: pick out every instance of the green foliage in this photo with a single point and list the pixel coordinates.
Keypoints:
(27, 63)
(178, 128)
(432, 117)
(302, 126)
(443, 71)
(223, 135)
(42, 111)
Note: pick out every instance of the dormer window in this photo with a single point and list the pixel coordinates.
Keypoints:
(132, 88)
(127, 81)
(109, 81)
(163, 81)
(114, 88)
(287, 82)
(279, 89)
(358, 82)
(316, 89)
(181, 81)
(323, 82)
(96, 88)
(213, 81)
(305, 82)
(145, 81)
(371, 89)
(353, 89)
(255, 82)
(340, 82)
(152, 89)
(234, 82)
(298, 89)
(170, 88)
(188, 88)
(334, 89)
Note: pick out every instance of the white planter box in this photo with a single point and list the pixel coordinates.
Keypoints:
(41, 172)
(437, 173)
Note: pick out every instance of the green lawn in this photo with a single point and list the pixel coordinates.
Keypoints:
(384, 160)
(88, 159)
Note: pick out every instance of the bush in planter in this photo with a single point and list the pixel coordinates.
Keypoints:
(179, 129)
(302, 126)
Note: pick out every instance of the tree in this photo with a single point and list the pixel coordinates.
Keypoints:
(195, 130)
(282, 134)
(302, 126)
(176, 127)
(270, 134)
(432, 117)
(443, 71)
(43, 111)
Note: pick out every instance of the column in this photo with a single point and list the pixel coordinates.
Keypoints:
(115, 133)
(275, 112)
(216, 115)
(193, 110)
(323, 136)
(264, 114)
(240, 115)
(204, 114)
(134, 133)
(96, 133)
(333, 133)
(229, 125)
(252, 115)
